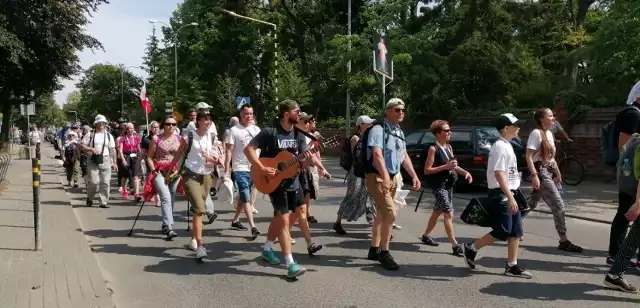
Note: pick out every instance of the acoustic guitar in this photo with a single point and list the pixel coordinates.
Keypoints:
(286, 165)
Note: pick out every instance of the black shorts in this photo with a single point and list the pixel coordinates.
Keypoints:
(130, 170)
(306, 181)
(504, 224)
(286, 201)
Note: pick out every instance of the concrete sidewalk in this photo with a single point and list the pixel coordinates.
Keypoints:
(588, 201)
(65, 272)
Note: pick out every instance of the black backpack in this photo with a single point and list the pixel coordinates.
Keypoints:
(360, 160)
(346, 155)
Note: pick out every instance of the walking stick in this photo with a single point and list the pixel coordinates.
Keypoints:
(136, 220)
(188, 216)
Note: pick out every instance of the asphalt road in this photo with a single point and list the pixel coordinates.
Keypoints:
(145, 271)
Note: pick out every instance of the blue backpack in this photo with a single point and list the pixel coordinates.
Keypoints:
(609, 141)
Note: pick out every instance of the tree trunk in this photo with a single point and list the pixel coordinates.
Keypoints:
(6, 120)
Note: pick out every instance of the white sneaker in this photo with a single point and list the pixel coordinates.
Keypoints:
(255, 211)
(397, 227)
(193, 245)
(293, 241)
(201, 252)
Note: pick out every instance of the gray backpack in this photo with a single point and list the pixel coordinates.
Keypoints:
(627, 183)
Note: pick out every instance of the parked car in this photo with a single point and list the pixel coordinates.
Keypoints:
(471, 145)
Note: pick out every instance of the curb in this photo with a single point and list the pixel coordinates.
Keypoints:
(602, 221)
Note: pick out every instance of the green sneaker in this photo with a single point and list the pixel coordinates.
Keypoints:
(295, 270)
(270, 256)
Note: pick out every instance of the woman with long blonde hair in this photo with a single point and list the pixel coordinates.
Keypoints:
(545, 174)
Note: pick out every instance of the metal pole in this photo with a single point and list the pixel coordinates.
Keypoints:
(275, 63)
(121, 92)
(35, 169)
(348, 107)
(384, 90)
(175, 58)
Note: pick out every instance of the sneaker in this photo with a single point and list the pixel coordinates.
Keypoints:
(211, 217)
(193, 244)
(164, 229)
(397, 227)
(373, 253)
(270, 257)
(255, 232)
(427, 240)
(295, 270)
(75, 185)
(457, 250)
(171, 234)
(238, 226)
(631, 263)
(618, 283)
(312, 219)
(338, 228)
(517, 271)
(125, 194)
(136, 197)
(469, 255)
(313, 248)
(201, 252)
(89, 203)
(293, 241)
(570, 247)
(104, 206)
(253, 209)
(387, 261)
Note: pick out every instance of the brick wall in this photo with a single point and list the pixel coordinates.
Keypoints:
(585, 133)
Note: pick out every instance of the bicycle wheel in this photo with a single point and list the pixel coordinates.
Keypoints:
(572, 171)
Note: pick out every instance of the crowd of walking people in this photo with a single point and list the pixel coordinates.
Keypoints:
(168, 160)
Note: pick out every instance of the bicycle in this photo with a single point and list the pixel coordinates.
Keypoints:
(571, 168)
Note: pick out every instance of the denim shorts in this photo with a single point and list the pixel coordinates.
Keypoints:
(504, 224)
(244, 184)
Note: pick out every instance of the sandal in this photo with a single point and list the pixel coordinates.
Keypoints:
(570, 247)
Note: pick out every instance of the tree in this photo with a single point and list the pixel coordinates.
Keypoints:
(71, 107)
(100, 89)
(38, 44)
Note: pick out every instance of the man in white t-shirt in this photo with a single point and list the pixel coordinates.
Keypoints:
(101, 147)
(503, 180)
(237, 139)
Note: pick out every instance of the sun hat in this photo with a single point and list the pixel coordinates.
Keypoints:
(203, 105)
(100, 119)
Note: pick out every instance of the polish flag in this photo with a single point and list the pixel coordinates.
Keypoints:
(144, 99)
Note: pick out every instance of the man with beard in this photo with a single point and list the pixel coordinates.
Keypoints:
(288, 198)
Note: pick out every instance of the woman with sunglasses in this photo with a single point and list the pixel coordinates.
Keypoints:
(442, 170)
(163, 158)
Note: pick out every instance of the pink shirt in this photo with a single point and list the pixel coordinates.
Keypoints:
(129, 143)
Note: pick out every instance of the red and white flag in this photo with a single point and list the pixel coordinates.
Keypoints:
(144, 99)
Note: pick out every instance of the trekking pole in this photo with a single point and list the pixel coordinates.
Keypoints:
(137, 216)
(188, 216)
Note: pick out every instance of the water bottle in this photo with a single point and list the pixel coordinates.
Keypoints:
(626, 167)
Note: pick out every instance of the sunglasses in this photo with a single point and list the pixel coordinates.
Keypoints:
(446, 130)
(170, 124)
(400, 110)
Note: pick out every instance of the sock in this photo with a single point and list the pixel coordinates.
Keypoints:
(288, 258)
(473, 247)
(268, 246)
(511, 264)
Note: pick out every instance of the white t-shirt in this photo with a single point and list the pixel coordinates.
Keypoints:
(192, 127)
(535, 139)
(240, 136)
(503, 158)
(98, 141)
(195, 160)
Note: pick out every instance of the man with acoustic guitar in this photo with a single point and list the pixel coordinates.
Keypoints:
(288, 196)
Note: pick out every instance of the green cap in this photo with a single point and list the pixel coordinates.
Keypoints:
(286, 105)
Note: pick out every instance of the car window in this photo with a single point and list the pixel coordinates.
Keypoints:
(460, 140)
(413, 137)
(428, 138)
(486, 136)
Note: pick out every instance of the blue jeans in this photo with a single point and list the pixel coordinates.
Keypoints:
(167, 194)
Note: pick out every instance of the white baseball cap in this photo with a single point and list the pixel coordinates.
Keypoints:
(202, 105)
(394, 102)
(363, 119)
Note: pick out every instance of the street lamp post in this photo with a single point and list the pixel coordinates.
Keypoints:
(122, 68)
(175, 50)
(275, 44)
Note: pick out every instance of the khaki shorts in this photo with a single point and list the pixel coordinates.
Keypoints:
(196, 188)
(385, 203)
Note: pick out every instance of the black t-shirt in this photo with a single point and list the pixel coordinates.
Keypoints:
(628, 121)
(285, 141)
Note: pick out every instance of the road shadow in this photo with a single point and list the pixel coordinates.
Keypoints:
(552, 292)
(364, 245)
(546, 266)
(433, 272)
(553, 250)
